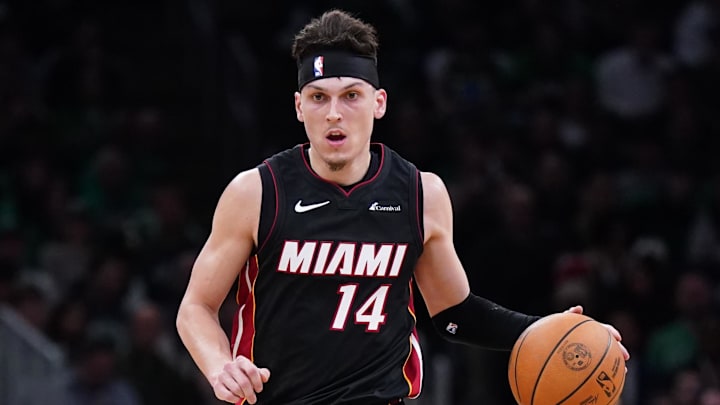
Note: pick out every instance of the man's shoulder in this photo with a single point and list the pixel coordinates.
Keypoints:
(244, 182)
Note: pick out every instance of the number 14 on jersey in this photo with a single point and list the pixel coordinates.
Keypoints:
(370, 312)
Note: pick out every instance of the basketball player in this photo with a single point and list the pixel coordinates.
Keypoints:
(324, 240)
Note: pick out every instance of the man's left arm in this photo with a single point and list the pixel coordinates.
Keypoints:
(457, 313)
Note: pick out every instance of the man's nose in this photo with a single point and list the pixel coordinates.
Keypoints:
(334, 111)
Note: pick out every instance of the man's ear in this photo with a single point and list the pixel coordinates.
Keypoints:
(298, 110)
(380, 103)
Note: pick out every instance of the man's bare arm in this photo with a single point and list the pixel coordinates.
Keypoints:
(439, 273)
(225, 253)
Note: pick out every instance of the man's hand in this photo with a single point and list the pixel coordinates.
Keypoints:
(239, 379)
(578, 309)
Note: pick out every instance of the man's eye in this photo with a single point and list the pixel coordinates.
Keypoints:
(317, 97)
(353, 95)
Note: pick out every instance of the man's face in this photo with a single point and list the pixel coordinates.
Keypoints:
(339, 113)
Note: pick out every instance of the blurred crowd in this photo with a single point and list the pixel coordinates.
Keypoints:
(578, 139)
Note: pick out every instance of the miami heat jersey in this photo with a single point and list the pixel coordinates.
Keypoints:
(326, 301)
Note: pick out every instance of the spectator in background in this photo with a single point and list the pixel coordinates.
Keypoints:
(165, 227)
(686, 387)
(8, 276)
(110, 188)
(695, 32)
(151, 364)
(66, 257)
(68, 325)
(11, 262)
(96, 378)
(631, 80)
(31, 303)
(675, 345)
(111, 292)
(708, 359)
(710, 396)
(704, 233)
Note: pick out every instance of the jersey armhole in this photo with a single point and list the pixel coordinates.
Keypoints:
(419, 211)
(269, 207)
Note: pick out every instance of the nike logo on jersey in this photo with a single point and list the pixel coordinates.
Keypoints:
(299, 208)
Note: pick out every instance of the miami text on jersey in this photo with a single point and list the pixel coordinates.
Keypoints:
(343, 258)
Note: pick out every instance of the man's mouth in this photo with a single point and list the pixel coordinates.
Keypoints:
(336, 137)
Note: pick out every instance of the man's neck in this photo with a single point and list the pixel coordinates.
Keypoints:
(353, 171)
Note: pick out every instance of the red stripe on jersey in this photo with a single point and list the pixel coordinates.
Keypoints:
(411, 301)
(243, 334)
(413, 367)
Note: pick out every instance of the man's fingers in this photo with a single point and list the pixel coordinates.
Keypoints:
(577, 309)
(240, 379)
(248, 390)
(235, 379)
(625, 352)
(252, 374)
(232, 384)
(225, 393)
(265, 374)
(616, 334)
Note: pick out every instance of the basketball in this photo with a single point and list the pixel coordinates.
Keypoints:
(566, 358)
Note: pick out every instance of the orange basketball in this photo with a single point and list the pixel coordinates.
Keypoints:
(566, 358)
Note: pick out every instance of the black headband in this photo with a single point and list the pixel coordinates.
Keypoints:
(337, 64)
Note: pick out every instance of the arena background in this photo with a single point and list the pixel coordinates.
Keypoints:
(578, 139)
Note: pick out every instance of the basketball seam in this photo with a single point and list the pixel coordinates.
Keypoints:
(547, 360)
(517, 355)
(607, 349)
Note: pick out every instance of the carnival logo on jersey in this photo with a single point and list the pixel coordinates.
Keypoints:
(318, 66)
(384, 208)
(343, 258)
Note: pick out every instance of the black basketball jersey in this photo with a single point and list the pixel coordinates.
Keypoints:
(326, 301)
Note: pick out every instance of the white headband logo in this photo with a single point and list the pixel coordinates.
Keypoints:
(318, 66)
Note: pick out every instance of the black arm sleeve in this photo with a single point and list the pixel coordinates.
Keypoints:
(480, 322)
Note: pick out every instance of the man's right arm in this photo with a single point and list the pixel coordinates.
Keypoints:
(216, 269)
